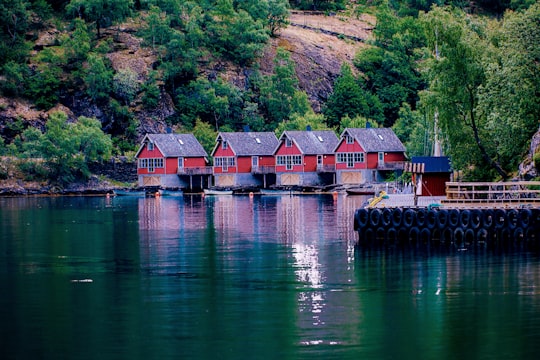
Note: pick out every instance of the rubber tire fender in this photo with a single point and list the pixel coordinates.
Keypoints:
(465, 218)
(431, 218)
(409, 217)
(397, 216)
(442, 219)
(420, 218)
(513, 218)
(477, 217)
(386, 217)
(374, 217)
(453, 218)
(459, 237)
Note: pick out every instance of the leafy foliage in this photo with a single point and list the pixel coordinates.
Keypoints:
(68, 147)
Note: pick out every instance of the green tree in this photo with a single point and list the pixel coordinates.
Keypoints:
(101, 12)
(302, 122)
(236, 34)
(97, 77)
(68, 147)
(280, 95)
(455, 81)
(205, 134)
(510, 98)
(390, 67)
(350, 99)
(157, 29)
(44, 81)
(15, 74)
(126, 85)
(78, 44)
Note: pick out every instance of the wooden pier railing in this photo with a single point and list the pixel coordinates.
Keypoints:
(493, 192)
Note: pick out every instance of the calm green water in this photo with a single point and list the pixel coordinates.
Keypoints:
(239, 278)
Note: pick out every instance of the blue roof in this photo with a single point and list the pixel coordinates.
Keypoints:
(433, 164)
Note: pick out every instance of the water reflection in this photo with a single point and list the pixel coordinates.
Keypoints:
(238, 277)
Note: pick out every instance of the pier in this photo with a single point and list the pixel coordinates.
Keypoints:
(471, 216)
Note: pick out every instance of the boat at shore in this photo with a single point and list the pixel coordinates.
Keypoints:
(126, 192)
(217, 192)
(360, 191)
(278, 192)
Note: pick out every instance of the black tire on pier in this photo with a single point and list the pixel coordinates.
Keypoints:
(409, 217)
(369, 236)
(374, 217)
(453, 218)
(447, 236)
(459, 237)
(469, 237)
(420, 218)
(431, 218)
(425, 236)
(386, 217)
(397, 216)
(487, 220)
(482, 238)
(442, 219)
(499, 219)
(513, 218)
(464, 218)
(519, 237)
(525, 217)
(477, 218)
(361, 218)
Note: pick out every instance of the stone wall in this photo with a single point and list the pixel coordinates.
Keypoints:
(117, 169)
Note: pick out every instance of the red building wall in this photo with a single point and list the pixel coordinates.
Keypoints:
(310, 163)
(267, 160)
(228, 152)
(194, 162)
(394, 156)
(244, 164)
(372, 159)
(349, 148)
(151, 154)
(171, 165)
(283, 150)
(434, 184)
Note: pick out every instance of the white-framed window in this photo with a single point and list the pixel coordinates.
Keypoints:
(349, 139)
(180, 162)
(350, 158)
(381, 157)
(150, 146)
(255, 161)
(224, 145)
(151, 164)
(225, 162)
(288, 142)
(289, 161)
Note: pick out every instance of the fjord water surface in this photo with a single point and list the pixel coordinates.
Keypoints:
(235, 277)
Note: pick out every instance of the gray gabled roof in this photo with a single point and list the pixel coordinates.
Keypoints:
(313, 142)
(249, 143)
(376, 139)
(176, 145)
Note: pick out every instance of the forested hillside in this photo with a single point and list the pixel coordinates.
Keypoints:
(83, 80)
